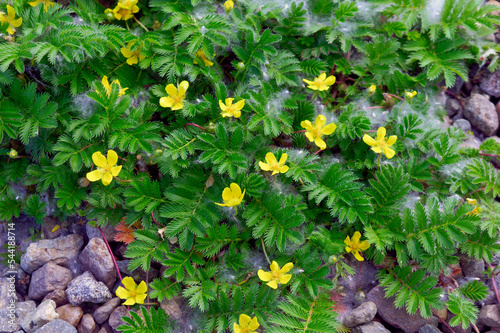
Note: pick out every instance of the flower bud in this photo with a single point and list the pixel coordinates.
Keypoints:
(240, 66)
(83, 182)
(332, 260)
(229, 5)
(210, 127)
(13, 153)
(109, 14)
(158, 152)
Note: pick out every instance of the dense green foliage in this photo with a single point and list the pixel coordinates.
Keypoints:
(56, 112)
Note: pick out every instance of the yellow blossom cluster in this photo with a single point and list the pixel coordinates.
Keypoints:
(10, 18)
(124, 10)
(133, 57)
(46, 4)
(132, 293)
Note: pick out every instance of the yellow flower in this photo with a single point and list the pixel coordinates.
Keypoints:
(410, 95)
(276, 275)
(125, 9)
(381, 145)
(231, 110)
(46, 3)
(372, 89)
(229, 5)
(476, 209)
(355, 245)
(13, 153)
(232, 195)
(201, 54)
(273, 164)
(316, 130)
(133, 57)
(10, 18)
(247, 324)
(320, 83)
(175, 96)
(132, 293)
(107, 86)
(106, 167)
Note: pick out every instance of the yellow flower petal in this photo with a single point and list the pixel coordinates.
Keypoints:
(99, 160)
(347, 241)
(329, 129)
(222, 106)
(283, 168)
(330, 80)
(107, 178)
(244, 320)
(126, 52)
(283, 158)
(286, 268)
(142, 288)
(307, 125)
(356, 237)
(171, 90)
(129, 301)
(271, 159)
(235, 188)
(139, 298)
(378, 150)
(263, 166)
(392, 140)
(95, 175)
(381, 133)
(236, 328)
(122, 293)
(227, 194)
(129, 283)
(183, 87)
(309, 136)
(112, 157)
(320, 121)
(237, 114)
(274, 267)
(285, 278)
(358, 256)
(219, 204)
(17, 22)
(322, 77)
(369, 140)
(254, 324)
(105, 83)
(132, 60)
(166, 102)
(264, 276)
(178, 106)
(10, 12)
(389, 153)
(239, 105)
(320, 143)
(116, 170)
(348, 249)
(273, 284)
(229, 101)
(308, 82)
(364, 245)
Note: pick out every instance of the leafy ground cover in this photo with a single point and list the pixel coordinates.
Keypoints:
(251, 147)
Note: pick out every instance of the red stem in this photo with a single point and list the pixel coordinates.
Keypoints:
(301, 131)
(360, 266)
(195, 125)
(396, 96)
(112, 257)
(445, 324)
(316, 153)
(493, 155)
(374, 107)
(493, 282)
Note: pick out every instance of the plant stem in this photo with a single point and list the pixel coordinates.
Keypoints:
(492, 155)
(401, 98)
(265, 253)
(195, 125)
(123, 180)
(493, 282)
(445, 324)
(112, 257)
(316, 153)
(126, 23)
(378, 164)
(314, 96)
(399, 112)
(139, 22)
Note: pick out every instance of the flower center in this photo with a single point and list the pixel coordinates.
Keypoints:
(275, 166)
(317, 132)
(318, 83)
(178, 99)
(133, 293)
(382, 143)
(230, 109)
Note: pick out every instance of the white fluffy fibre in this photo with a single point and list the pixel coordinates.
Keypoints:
(433, 10)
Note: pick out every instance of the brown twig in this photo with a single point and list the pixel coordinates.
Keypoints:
(445, 324)
(493, 282)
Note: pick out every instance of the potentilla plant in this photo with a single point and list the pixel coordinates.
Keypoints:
(256, 147)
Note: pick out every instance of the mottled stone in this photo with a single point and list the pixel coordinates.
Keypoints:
(363, 314)
(58, 296)
(59, 251)
(115, 319)
(489, 315)
(101, 314)
(429, 329)
(57, 326)
(398, 318)
(373, 327)
(7, 291)
(109, 231)
(87, 324)
(472, 267)
(48, 278)
(482, 114)
(172, 308)
(22, 278)
(44, 313)
(70, 313)
(463, 124)
(85, 288)
(452, 107)
(95, 258)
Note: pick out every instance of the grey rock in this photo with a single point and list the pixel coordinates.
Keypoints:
(429, 329)
(49, 223)
(115, 319)
(101, 314)
(452, 107)
(22, 278)
(11, 316)
(398, 318)
(373, 327)
(106, 329)
(60, 251)
(491, 84)
(57, 326)
(7, 291)
(489, 315)
(87, 324)
(58, 296)
(482, 114)
(172, 308)
(70, 313)
(44, 313)
(48, 278)
(363, 314)
(472, 267)
(109, 231)
(85, 288)
(95, 258)
(463, 124)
